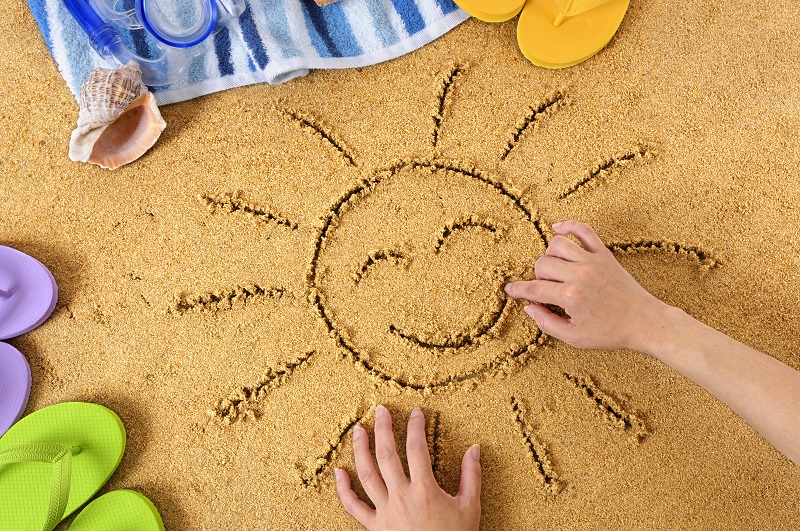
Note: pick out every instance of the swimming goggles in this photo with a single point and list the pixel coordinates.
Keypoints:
(177, 26)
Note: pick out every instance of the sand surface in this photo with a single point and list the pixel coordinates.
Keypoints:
(286, 258)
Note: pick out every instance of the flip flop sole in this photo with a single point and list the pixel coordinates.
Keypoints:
(25, 487)
(491, 10)
(575, 40)
(32, 289)
(15, 385)
(119, 510)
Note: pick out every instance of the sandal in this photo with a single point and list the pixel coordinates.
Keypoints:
(15, 385)
(54, 460)
(119, 510)
(562, 33)
(492, 10)
(555, 33)
(28, 293)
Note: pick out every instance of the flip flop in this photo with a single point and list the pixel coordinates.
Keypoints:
(119, 510)
(15, 385)
(28, 293)
(491, 10)
(54, 460)
(562, 33)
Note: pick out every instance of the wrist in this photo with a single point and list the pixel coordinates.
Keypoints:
(660, 329)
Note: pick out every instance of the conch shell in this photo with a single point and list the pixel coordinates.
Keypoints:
(118, 121)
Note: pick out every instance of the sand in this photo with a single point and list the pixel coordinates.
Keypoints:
(286, 258)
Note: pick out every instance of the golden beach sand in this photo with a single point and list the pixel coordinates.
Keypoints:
(286, 258)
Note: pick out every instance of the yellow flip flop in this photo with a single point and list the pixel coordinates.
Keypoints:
(491, 10)
(562, 33)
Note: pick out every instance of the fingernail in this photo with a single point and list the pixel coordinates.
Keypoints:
(380, 411)
(416, 412)
(557, 225)
(475, 451)
(507, 287)
(358, 432)
(529, 310)
(338, 474)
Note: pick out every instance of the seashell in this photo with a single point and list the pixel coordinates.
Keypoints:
(119, 119)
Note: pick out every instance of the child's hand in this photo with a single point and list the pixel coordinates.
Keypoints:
(608, 309)
(402, 503)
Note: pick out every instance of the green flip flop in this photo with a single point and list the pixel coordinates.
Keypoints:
(54, 460)
(119, 510)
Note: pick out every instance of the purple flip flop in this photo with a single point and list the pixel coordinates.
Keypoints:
(15, 385)
(28, 293)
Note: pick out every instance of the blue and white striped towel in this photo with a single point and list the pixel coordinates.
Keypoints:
(273, 41)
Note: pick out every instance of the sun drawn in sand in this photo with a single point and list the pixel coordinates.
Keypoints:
(415, 301)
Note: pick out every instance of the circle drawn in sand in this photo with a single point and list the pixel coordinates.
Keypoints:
(409, 268)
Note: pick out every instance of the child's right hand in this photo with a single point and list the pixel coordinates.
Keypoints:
(607, 308)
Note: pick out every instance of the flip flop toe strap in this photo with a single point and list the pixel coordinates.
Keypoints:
(570, 8)
(60, 457)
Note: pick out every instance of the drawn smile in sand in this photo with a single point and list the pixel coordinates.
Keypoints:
(407, 272)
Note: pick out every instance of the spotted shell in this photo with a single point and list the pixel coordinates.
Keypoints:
(119, 119)
(106, 93)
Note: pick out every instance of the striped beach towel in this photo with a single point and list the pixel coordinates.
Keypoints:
(273, 41)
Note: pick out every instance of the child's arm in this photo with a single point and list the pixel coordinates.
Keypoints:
(608, 309)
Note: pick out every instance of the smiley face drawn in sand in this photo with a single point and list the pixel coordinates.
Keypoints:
(451, 235)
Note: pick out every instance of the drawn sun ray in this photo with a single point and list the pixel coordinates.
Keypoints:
(421, 225)
(243, 402)
(318, 129)
(543, 469)
(700, 257)
(232, 203)
(609, 409)
(433, 434)
(532, 119)
(600, 172)
(312, 472)
(443, 97)
(224, 299)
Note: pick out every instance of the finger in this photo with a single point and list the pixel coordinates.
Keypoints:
(386, 451)
(563, 247)
(367, 473)
(350, 501)
(550, 323)
(552, 268)
(419, 458)
(469, 490)
(585, 234)
(543, 291)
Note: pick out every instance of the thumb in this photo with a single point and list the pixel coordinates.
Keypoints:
(470, 489)
(548, 322)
